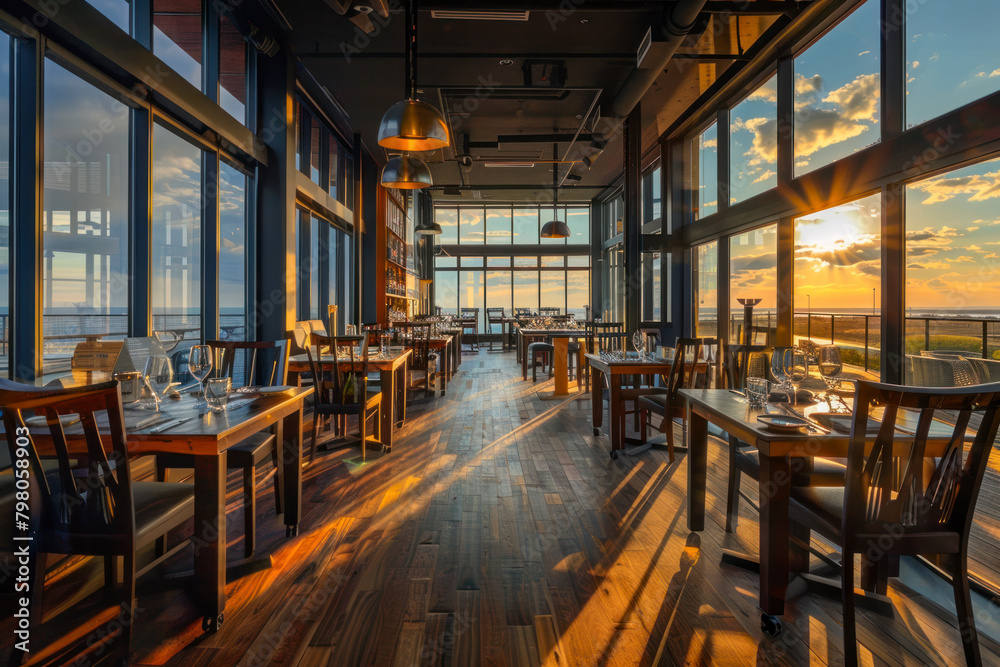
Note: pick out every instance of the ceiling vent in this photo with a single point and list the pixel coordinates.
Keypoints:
(647, 41)
(509, 164)
(480, 15)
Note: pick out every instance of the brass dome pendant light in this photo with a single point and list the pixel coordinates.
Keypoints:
(555, 228)
(412, 125)
(405, 172)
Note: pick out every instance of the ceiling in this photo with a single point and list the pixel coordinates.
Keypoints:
(500, 81)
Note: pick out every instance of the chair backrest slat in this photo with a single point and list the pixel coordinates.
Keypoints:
(264, 362)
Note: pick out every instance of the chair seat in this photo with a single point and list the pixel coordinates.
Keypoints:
(251, 451)
(654, 402)
(825, 503)
(540, 347)
(827, 473)
(160, 507)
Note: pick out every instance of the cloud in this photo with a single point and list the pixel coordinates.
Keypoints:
(862, 253)
(965, 258)
(980, 187)
(863, 53)
(915, 64)
(766, 175)
(937, 266)
(855, 106)
(994, 73)
(858, 99)
(972, 229)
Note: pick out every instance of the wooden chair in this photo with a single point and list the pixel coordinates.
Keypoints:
(522, 312)
(340, 394)
(102, 513)
(422, 366)
(470, 327)
(897, 501)
(266, 363)
(549, 312)
(495, 316)
(688, 370)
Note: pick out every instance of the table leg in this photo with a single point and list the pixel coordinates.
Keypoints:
(402, 386)
(596, 400)
(697, 442)
(210, 537)
(291, 438)
(560, 361)
(614, 413)
(523, 349)
(388, 382)
(445, 367)
(775, 482)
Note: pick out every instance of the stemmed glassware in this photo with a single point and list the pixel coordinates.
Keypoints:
(200, 365)
(831, 365)
(639, 343)
(796, 369)
(778, 370)
(158, 374)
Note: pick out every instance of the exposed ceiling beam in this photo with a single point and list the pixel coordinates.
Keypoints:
(500, 55)
(711, 56)
(759, 8)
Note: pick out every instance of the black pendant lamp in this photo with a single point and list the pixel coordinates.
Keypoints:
(555, 228)
(412, 125)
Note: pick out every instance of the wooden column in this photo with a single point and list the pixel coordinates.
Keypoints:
(632, 232)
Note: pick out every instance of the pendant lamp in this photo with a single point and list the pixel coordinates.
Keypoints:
(412, 125)
(405, 172)
(555, 228)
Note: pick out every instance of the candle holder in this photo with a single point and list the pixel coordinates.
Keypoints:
(748, 306)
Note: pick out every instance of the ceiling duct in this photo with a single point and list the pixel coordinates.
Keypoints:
(358, 11)
(479, 15)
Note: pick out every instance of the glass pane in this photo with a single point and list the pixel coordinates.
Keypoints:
(232, 253)
(526, 290)
(838, 259)
(577, 293)
(651, 199)
(446, 291)
(333, 180)
(347, 185)
(335, 278)
(315, 247)
(753, 143)
(614, 303)
(705, 173)
(498, 225)
(837, 91)
(952, 265)
(553, 260)
(470, 228)
(651, 286)
(298, 135)
(472, 261)
(525, 261)
(499, 292)
(445, 262)
(578, 219)
(176, 238)
(706, 296)
(753, 274)
(448, 219)
(85, 225)
(4, 201)
(951, 56)
(498, 261)
(232, 70)
(525, 225)
(116, 10)
(578, 260)
(471, 294)
(346, 314)
(315, 141)
(553, 290)
(177, 37)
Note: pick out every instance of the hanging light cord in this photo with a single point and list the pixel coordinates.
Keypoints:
(411, 49)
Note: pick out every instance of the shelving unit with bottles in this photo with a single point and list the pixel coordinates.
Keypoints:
(392, 274)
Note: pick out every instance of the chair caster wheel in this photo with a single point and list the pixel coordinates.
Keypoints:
(597, 431)
(614, 455)
(291, 531)
(770, 625)
(211, 624)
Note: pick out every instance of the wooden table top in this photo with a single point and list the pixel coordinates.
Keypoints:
(629, 366)
(735, 416)
(300, 362)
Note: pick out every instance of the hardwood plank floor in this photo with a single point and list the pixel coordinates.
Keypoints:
(499, 532)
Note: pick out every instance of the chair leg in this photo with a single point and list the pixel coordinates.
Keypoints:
(123, 652)
(643, 414)
(315, 435)
(850, 619)
(668, 427)
(733, 490)
(279, 473)
(963, 608)
(362, 431)
(249, 510)
(534, 368)
(160, 547)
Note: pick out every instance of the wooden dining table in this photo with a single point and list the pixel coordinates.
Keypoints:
(616, 370)
(780, 455)
(392, 380)
(207, 437)
(526, 336)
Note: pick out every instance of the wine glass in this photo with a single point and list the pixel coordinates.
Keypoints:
(796, 368)
(159, 374)
(779, 371)
(200, 364)
(637, 342)
(831, 365)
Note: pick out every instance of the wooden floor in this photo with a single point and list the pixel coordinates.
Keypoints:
(499, 531)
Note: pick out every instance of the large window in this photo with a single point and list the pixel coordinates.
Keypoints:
(838, 259)
(85, 238)
(5, 48)
(470, 226)
(706, 292)
(116, 10)
(176, 237)
(951, 55)
(177, 37)
(448, 219)
(705, 173)
(952, 269)
(526, 226)
(753, 143)
(232, 252)
(837, 91)
(753, 274)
